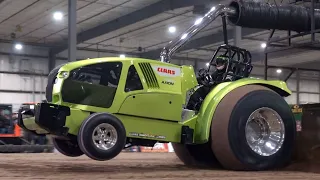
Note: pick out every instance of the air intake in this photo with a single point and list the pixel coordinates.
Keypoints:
(149, 75)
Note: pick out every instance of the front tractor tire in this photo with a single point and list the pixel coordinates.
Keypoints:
(67, 148)
(102, 136)
(253, 128)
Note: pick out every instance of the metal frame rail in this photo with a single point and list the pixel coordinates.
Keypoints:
(273, 44)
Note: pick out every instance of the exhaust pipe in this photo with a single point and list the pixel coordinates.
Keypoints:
(198, 25)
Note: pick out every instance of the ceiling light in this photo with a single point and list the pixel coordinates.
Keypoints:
(207, 64)
(279, 71)
(58, 16)
(122, 56)
(172, 29)
(18, 46)
(263, 45)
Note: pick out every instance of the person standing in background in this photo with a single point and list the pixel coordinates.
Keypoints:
(3, 123)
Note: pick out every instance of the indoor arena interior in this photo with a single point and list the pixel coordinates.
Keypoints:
(160, 89)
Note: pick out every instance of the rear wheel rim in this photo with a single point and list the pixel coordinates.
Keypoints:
(265, 131)
(104, 136)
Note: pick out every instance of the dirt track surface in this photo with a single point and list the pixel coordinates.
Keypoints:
(130, 166)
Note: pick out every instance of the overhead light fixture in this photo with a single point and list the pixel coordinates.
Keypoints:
(263, 45)
(18, 46)
(122, 56)
(57, 16)
(279, 71)
(172, 29)
(207, 64)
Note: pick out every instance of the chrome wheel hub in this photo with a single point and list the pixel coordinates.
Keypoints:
(265, 131)
(104, 136)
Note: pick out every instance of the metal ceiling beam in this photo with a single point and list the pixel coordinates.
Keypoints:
(132, 18)
(42, 45)
(31, 55)
(202, 41)
(256, 56)
(106, 51)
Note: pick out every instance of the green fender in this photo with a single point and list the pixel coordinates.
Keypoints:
(203, 123)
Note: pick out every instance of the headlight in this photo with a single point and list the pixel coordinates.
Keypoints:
(63, 74)
(55, 80)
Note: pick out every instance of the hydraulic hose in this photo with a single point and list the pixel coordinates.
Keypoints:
(262, 15)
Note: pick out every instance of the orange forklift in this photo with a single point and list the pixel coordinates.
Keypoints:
(12, 137)
(10, 132)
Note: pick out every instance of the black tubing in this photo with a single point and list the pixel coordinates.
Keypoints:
(262, 15)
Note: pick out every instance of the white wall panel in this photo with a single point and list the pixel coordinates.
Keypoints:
(22, 82)
(18, 63)
(292, 84)
(309, 86)
(292, 99)
(309, 98)
(19, 98)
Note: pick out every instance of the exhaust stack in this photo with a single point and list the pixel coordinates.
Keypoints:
(199, 24)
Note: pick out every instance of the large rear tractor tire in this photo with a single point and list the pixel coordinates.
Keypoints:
(199, 155)
(67, 148)
(253, 128)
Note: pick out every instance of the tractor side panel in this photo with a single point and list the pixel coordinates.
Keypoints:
(212, 100)
(161, 97)
(74, 121)
(153, 105)
(153, 129)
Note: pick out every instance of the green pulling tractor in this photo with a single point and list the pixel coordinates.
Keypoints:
(219, 117)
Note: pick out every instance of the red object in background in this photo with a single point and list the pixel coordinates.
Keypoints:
(16, 132)
(159, 147)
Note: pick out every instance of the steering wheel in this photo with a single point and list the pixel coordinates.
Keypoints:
(205, 77)
(202, 72)
(208, 80)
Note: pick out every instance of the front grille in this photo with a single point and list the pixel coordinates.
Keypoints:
(149, 75)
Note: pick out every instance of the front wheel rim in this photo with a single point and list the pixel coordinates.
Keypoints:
(104, 136)
(265, 131)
